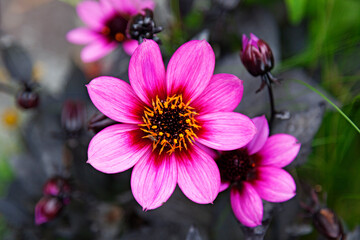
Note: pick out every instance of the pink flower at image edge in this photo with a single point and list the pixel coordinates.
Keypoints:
(106, 23)
(268, 181)
(170, 119)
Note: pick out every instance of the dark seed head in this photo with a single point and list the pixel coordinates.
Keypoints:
(143, 26)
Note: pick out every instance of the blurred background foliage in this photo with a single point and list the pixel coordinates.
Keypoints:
(332, 52)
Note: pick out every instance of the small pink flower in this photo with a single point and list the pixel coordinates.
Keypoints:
(254, 173)
(169, 119)
(106, 22)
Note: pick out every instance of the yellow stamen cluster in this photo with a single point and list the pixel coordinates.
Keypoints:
(170, 124)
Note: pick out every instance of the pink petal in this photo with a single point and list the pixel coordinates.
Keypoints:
(116, 99)
(130, 46)
(279, 150)
(117, 148)
(147, 72)
(223, 94)
(190, 69)
(245, 41)
(261, 135)
(133, 7)
(153, 180)
(107, 7)
(224, 186)
(81, 36)
(198, 175)
(247, 205)
(225, 130)
(253, 40)
(96, 50)
(274, 184)
(91, 13)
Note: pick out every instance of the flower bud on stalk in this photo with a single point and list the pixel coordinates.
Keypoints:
(27, 98)
(47, 209)
(73, 118)
(328, 224)
(256, 56)
(58, 187)
(57, 191)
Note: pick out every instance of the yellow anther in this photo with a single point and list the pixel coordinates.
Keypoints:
(181, 135)
(175, 141)
(154, 127)
(188, 120)
(161, 133)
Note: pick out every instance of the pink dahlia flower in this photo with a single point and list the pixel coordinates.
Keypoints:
(106, 28)
(255, 172)
(168, 118)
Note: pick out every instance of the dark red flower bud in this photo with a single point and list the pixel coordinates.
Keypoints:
(99, 121)
(328, 224)
(256, 55)
(27, 98)
(47, 209)
(58, 187)
(73, 118)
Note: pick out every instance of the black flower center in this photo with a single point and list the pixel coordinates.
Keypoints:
(170, 124)
(236, 166)
(115, 28)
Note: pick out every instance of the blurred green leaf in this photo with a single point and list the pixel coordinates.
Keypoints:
(296, 10)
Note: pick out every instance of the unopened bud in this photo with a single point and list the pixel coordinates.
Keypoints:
(256, 55)
(47, 209)
(73, 118)
(27, 98)
(328, 224)
(58, 187)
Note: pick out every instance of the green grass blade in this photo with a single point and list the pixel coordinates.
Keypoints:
(330, 102)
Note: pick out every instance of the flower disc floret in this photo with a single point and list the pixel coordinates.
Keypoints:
(170, 124)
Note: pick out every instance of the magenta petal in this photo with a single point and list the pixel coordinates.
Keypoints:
(261, 135)
(223, 94)
(274, 184)
(153, 180)
(190, 69)
(225, 130)
(147, 72)
(224, 186)
(130, 46)
(81, 36)
(116, 149)
(247, 205)
(116, 99)
(245, 41)
(107, 7)
(96, 50)
(133, 7)
(198, 175)
(91, 14)
(279, 150)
